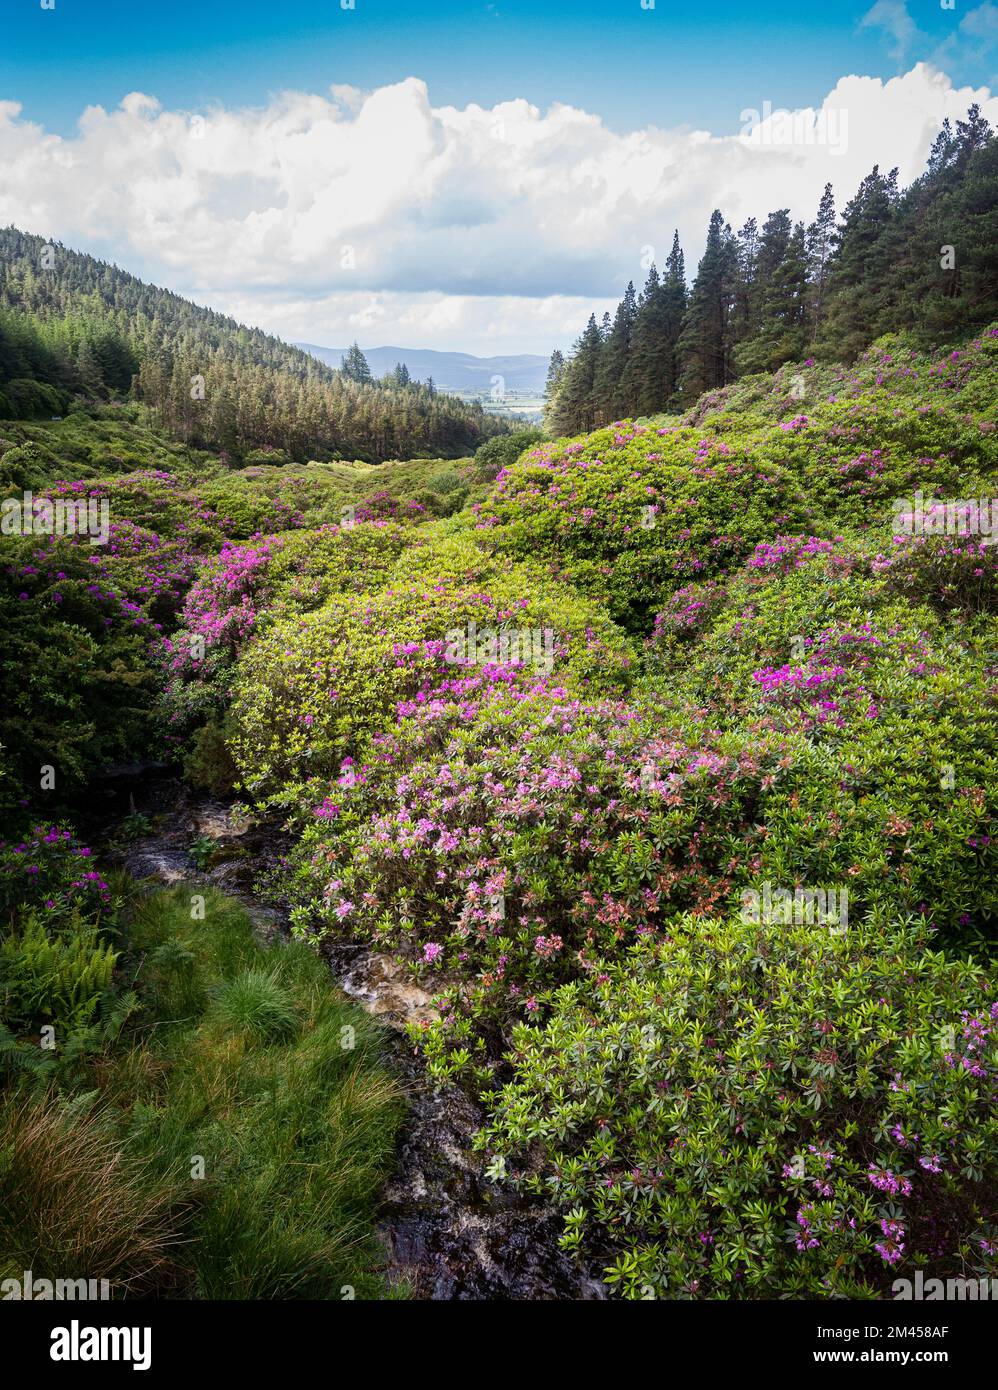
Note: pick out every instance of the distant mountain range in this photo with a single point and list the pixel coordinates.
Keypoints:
(452, 371)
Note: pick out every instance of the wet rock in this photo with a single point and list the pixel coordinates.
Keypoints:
(382, 984)
(452, 1233)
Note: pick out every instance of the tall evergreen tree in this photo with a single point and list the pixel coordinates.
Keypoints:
(943, 252)
(650, 380)
(574, 408)
(705, 345)
(355, 366)
(820, 242)
(785, 307)
(638, 374)
(675, 301)
(556, 370)
(859, 268)
(748, 256)
(777, 301)
(610, 402)
(398, 376)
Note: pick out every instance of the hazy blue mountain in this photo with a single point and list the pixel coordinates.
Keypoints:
(454, 371)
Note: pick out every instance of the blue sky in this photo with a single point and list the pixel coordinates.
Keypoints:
(695, 63)
(452, 173)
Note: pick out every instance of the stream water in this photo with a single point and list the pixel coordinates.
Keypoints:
(448, 1231)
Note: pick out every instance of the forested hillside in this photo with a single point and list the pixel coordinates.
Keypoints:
(923, 259)
(72, 326)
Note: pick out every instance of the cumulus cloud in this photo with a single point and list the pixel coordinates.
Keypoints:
(379, 216)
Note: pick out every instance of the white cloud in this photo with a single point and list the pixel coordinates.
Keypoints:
(378, 216)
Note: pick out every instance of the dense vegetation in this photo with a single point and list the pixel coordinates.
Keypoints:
(922, 260)
(75, 327)
(667, 753)
(796, 699)
(209, 1119)
(141, 1033)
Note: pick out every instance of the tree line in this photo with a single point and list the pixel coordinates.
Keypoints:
(73, 326)
(923, 260)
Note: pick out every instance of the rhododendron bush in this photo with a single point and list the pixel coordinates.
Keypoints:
(765, 1112)
(896, 796)
(311, 688)
(633, 511)
(523, 833)
(77, 685)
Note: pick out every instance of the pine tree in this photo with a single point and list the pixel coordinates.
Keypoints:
(859, 269)
(943, 273)
(777, 302)
(556, 370)
(705, 345)
(638, 374)
(88, 368)
(398, 377)
(675, 301)
(354, 366)
(819, 245)
(650, 380)
(785, 306)
(748, 255)
(574, 408)
(971, 135)
(616, 351)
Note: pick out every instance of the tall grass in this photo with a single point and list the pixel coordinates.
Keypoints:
(250, 1100)
(74, 1204)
